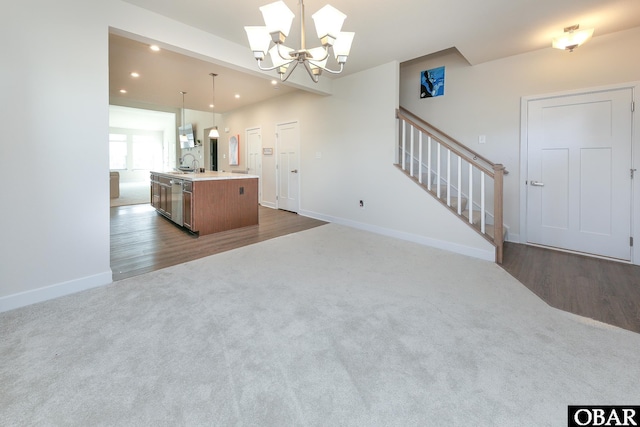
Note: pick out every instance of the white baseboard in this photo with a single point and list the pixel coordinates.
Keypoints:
(268, 204)
(422, 240)
(46, 293)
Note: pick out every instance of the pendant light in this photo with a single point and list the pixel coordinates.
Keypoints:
(214, 130)
(183, 129)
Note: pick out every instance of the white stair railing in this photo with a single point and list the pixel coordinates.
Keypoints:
(460, 193)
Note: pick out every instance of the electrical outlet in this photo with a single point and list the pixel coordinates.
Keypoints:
(482, 139)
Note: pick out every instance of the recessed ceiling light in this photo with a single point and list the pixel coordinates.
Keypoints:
(237, 96)
(210, 105)
(123, 91)
(274, 82)
(134, 74)
(154, 48)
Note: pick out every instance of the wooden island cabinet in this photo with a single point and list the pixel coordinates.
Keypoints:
(210, 202)
(161, 194)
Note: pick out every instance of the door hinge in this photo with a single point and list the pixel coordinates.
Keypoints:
(633, 172)
(631, 241)
(633, 106)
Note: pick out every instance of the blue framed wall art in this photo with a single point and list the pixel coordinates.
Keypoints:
(432, 83)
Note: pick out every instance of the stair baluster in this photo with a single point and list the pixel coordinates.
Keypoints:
(470, 202)
(420, 157)
(429, 163)
(459, 211)
(462, 202)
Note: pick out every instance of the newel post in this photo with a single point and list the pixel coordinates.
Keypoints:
(498, 226)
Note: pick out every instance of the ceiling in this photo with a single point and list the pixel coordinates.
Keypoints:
(164, 74)
(399, 30)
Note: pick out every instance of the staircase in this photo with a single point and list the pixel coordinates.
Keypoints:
(469, 185)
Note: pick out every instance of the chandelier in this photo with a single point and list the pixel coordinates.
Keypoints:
(278, 18)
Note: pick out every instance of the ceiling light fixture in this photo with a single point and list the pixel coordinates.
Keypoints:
(183, 134)
(278, 18)
(572, 38)
(154, 48)
(214, 130)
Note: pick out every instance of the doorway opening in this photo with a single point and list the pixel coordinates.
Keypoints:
(213, 153)
(139, 141)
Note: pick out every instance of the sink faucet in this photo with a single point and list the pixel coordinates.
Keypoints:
(193, 164)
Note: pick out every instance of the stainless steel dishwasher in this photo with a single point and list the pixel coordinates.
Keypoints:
(176, 201)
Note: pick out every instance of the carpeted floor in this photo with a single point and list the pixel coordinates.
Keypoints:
(327, 327)
(132, 193)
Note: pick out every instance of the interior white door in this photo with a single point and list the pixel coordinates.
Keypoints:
(254, 157)
(579, 172)
(288, 139)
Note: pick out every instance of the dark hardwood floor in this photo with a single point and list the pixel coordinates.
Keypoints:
(607, 291)
(144, 241)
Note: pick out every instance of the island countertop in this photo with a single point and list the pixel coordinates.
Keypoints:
(204, 176)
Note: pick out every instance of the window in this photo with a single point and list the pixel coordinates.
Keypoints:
(146, 151)
(135, 150)
(117, 151)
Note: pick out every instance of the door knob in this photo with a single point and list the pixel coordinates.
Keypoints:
(537, 184)
(294, 171)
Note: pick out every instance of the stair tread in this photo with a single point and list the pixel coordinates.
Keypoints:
(454, 202)
(475, 216)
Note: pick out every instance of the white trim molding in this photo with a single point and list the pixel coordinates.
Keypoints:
(57, 290)
(415, 238)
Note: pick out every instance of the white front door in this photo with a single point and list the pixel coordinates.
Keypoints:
(288, 140)
(254, 157)
(579, 172)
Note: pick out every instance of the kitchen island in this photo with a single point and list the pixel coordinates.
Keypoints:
(207, 202)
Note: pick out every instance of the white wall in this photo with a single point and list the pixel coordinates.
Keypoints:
(54, 151)
(485, 99)
(354, 134)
